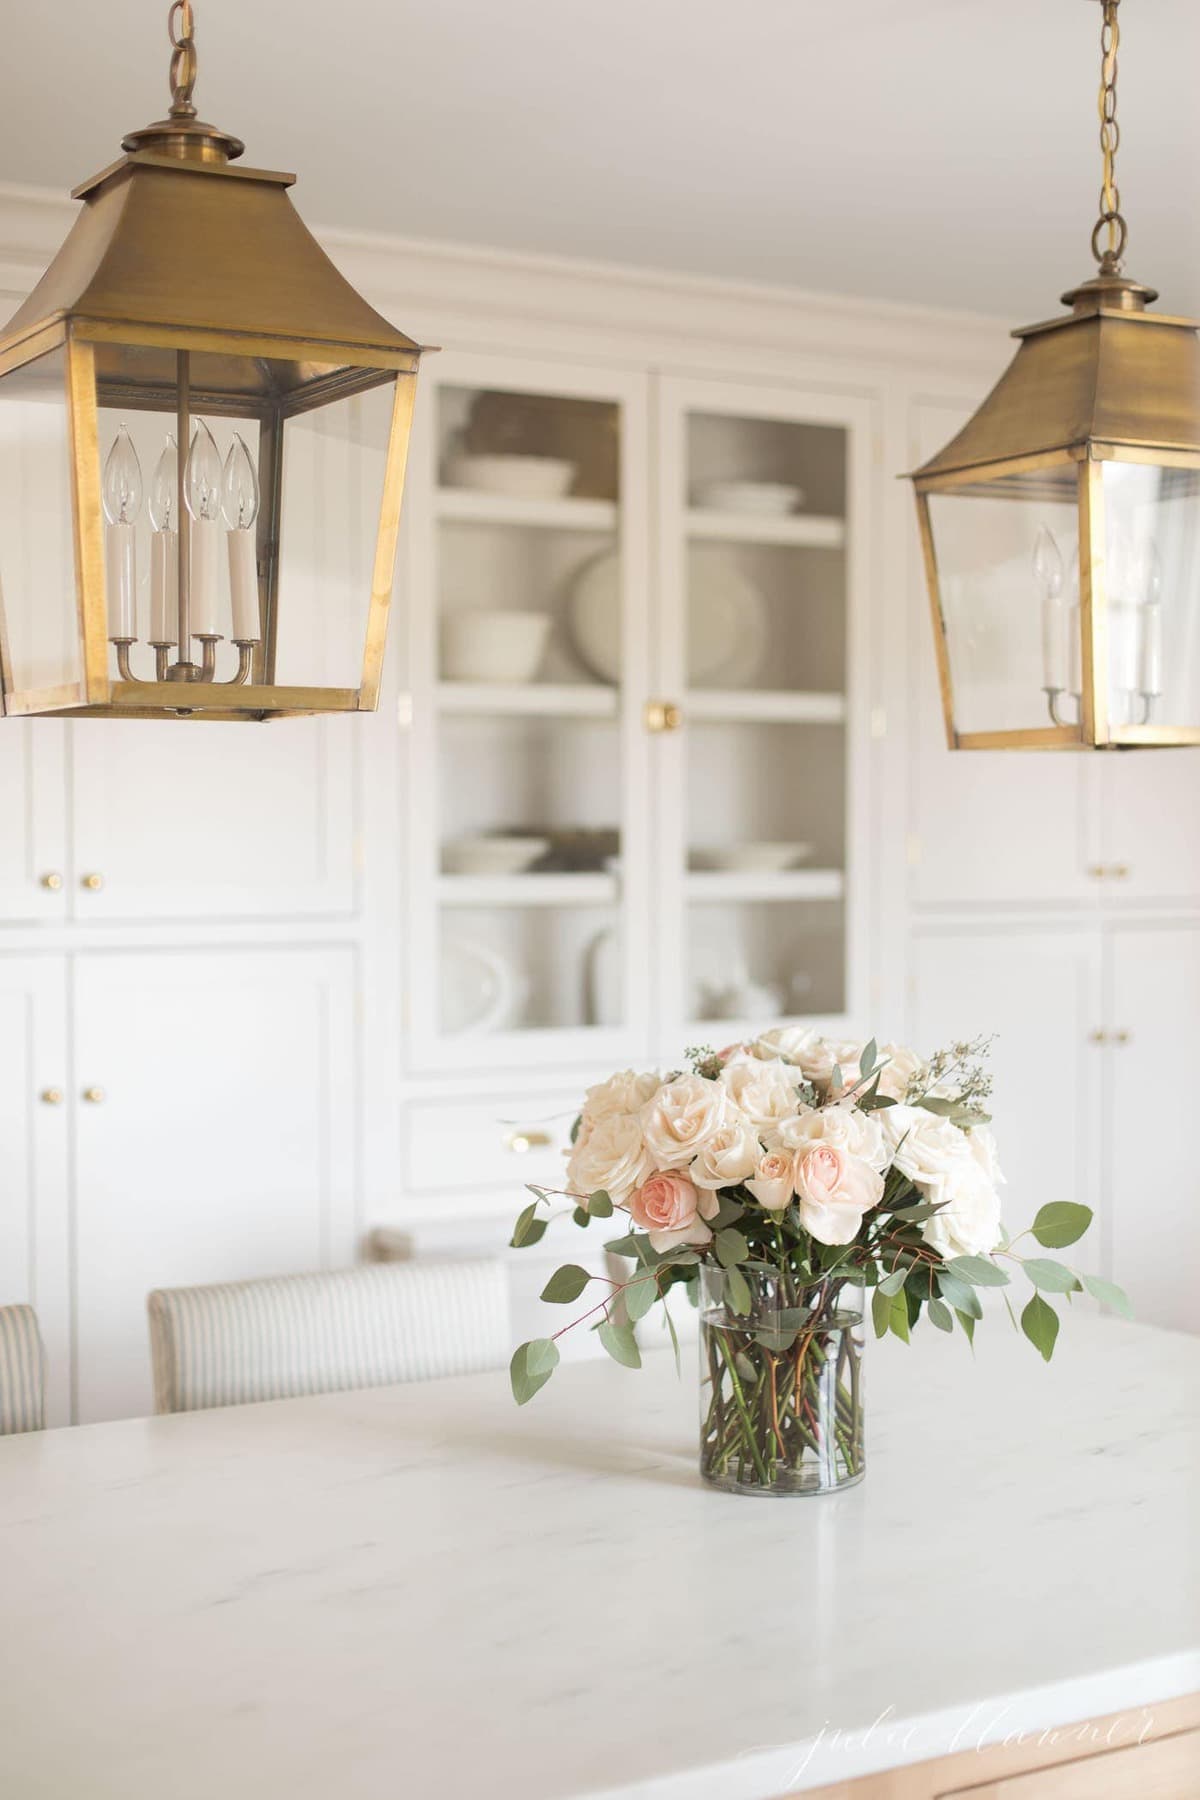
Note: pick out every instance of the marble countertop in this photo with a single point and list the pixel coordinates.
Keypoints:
(423, 1592)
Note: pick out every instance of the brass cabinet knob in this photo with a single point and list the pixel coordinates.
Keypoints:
(522, 1142)
(94, 1096)
(52, 882)
(52, 1096)
(1098, 1037)
(93, 883)
(1097, 871)
(1123, 1037)
(663, 715)
(1120, 871)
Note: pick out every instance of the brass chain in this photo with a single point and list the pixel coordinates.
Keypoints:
(1110, 220)
(181, 27)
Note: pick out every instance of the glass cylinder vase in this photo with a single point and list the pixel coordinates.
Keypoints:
(781, 1401)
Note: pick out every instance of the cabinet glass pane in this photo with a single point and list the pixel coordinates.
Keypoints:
(764, 618)
(528, 814)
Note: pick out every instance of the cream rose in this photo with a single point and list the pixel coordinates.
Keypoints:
(899, 1066)
(730, 1155)
(681, 1117)
(672, 1209)
(924, 1146)
(857, 1133)
(834, 1190)
(817, 1061)
(982, 1146)
(611, 1154)
(969, 1221)
(765, 1092)
(785, 1042)
(623, 1093)
(773, 1185)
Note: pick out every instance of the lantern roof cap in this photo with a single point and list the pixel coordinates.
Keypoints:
(173, 235)
(1108, 373)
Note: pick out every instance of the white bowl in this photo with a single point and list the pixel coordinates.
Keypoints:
(763, 499)
(520, 477)
(481, 645)
(492, 855)
(761, 859)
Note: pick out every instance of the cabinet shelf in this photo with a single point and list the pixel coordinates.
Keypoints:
(564, 700)
(463, 506)
(762, 706)
(527, 890)
(801, 530)
(717, 886)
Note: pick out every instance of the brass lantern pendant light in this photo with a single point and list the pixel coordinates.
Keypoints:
(1061, 527)
(203, 434)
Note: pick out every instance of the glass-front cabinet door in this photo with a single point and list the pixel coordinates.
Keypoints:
(528, 651)
(764, 495)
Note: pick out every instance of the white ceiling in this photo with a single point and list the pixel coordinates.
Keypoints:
(925, 150)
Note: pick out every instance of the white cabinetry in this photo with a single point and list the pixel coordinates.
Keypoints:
(34, 885)
(216, 1137)
(35, 1110)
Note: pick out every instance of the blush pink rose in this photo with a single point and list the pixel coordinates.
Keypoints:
(773, 1183)
(835, 1189)
(672, 1209)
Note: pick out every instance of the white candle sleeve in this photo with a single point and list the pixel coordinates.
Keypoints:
(121, 569)
(206, 551)
(1056, 648)
(1152, 649)
(164, 587)
(243, 586)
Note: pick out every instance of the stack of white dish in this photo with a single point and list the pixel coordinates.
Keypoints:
(483, 855)
(518, 477)
(763, 499)
(479, 644)
(757, 859)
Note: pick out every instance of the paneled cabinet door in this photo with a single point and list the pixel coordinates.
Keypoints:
(1150, 1102)
(215, 1109)
(1039, 993)
(199, 820)
(34, 1122)
(984, 826)
(1146, 825)
(33, 838)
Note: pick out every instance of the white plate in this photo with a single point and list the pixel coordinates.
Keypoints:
(492, 855)
(727, 618)
(520, 477)
(479, 989)
(763, 858)
(758, 499)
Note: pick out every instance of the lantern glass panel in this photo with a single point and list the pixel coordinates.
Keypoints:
(1008, 574)
(38, 611)
(334, 461)
(1152, 583)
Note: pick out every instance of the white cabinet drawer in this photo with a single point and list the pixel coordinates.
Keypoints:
(490, 1141)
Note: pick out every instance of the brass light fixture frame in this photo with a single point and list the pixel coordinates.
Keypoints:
(1106, 382)
(183, 259)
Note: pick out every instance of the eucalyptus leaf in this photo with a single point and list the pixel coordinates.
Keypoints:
(967, 1322)
(868, 1059)
(940, 1315)
(581, 1215)
(621, 1344)
(891, 1284)
(1051, 1277)
(900, 1320)
(1061, 1222)
(912, 1215)
(980, 1271)
(600, 1205)
(731, 1248)
(959, 1294)
(566, 1284)
(531, 1368)
(1109, 1295)
(1039, 1322)
(528, 1228)
(640, 1295)
(623, 1246)
(881, 1312)
(737, 1292)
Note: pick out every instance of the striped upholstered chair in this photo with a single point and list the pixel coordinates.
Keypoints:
(289, 1335)
(22, 1371)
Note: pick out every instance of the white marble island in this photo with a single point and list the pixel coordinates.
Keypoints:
(423, 1592)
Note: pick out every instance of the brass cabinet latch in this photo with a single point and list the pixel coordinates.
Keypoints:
(663, 715)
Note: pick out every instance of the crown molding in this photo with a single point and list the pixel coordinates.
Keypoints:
(464, 295)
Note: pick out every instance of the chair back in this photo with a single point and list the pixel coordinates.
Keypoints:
(22, 1371)
(289, 1335)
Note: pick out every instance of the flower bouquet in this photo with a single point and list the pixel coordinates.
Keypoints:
(774, 1183)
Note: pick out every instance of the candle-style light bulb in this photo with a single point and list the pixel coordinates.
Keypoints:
(164, 547)
(239, 491)
(239, 507)
(121, 493)
(202, 496)
(1048, 572)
